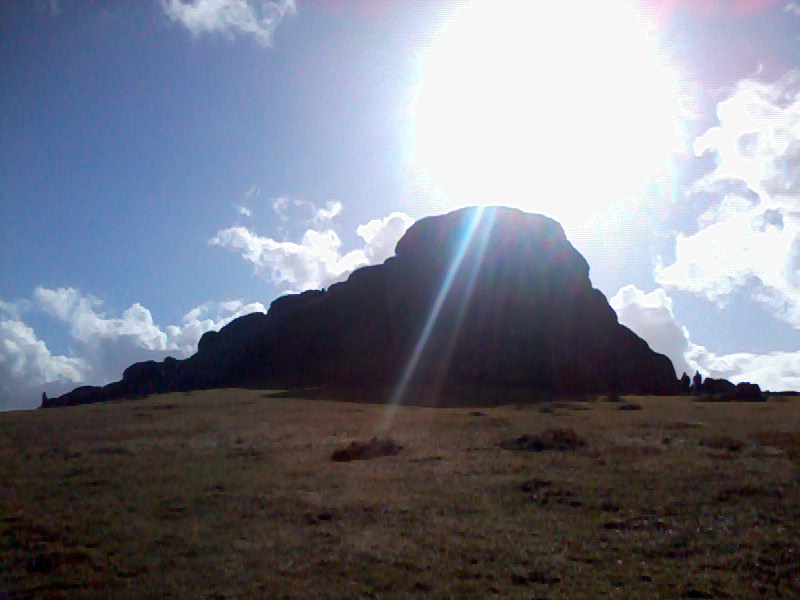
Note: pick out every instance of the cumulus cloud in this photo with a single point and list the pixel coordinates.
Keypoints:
(207, 317)
(749, 240)
(90, 327)
(101, 346)
(775, 371)
(313, 263)
(258, 18)
(13, 309)
(26, 364)
(650, 316)
(244, 211)
(317, 261)
(381, 235)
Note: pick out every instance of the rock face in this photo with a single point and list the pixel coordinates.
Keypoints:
(478, 298)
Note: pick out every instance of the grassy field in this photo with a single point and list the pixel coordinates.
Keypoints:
(233, 494)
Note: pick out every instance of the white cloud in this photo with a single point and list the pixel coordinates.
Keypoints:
(90, 327)
(650, 316)
(207, 317)
(23, 354)
(26, 364)
(793, 7)
(243, 211)
(750, 241)
(775, 371)
(381, 235)
(314, 263)
(101, 346)
(136, 327)
(758, 138)
(13, 310)
(259, 18)
(299, 213)
(331, 210)
(317, 260)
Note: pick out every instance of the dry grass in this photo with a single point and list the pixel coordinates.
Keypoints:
(233, 494)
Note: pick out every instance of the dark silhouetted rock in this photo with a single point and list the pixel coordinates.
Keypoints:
(717, 387)
(499, 297)
(697, 383)
(722, 390)
(747, 392)
(686, 384)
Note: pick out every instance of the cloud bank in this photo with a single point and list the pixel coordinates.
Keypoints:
(257, 18)
(101, 346)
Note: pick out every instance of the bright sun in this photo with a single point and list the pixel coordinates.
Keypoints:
(554, 107)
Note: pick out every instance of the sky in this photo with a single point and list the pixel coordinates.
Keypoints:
(167, 166)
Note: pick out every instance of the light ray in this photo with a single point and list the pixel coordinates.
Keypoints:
(399, 392)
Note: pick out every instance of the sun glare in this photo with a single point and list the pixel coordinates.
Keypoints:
(553, 107)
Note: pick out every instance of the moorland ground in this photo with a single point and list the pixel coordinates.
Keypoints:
(233, 494)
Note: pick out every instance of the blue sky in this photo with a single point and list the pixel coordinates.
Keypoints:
(166, 166)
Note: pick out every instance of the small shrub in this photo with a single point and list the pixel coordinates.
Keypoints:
(630, 406)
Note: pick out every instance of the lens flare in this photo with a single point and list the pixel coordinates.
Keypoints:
(455, 266)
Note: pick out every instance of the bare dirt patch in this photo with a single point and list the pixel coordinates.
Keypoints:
(549, 439)
(374, 448)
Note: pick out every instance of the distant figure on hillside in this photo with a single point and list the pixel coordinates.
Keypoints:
(697, 383)
(44, 398)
